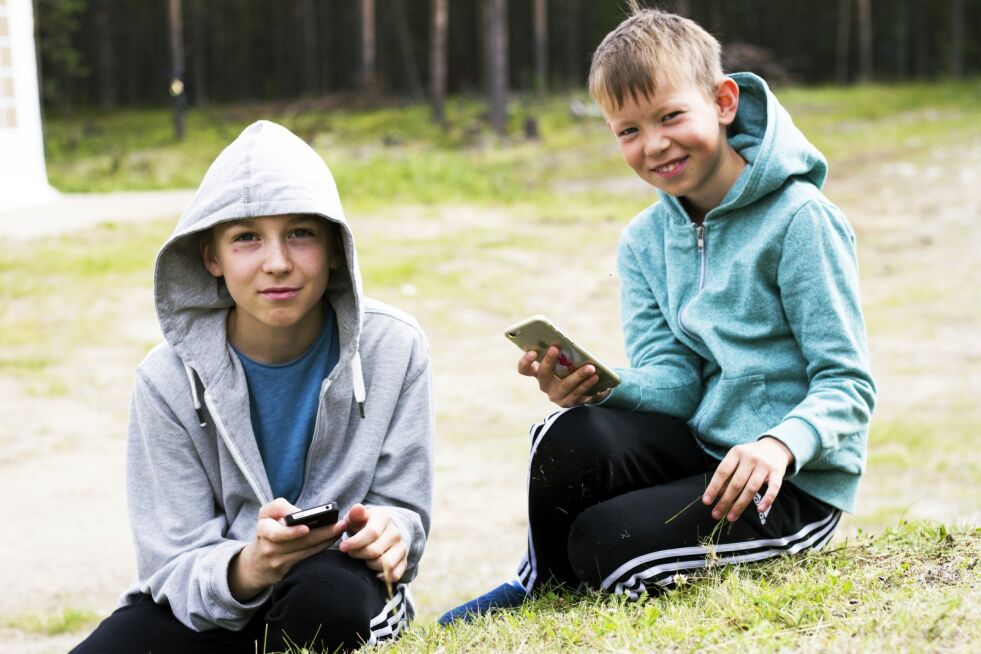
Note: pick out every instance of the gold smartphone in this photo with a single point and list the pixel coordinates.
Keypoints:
(538, 333)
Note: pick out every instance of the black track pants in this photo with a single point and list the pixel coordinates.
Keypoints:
(614, 501)
(330, 597)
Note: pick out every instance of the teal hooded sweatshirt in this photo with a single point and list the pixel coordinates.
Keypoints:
(750, 325)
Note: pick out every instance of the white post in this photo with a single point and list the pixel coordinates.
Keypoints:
(23, 178)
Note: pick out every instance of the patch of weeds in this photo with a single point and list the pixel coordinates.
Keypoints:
(24, 365)
(63, 621)
(48, 388)
(907, 588)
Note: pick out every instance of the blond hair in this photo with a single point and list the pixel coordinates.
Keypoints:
(648, 46)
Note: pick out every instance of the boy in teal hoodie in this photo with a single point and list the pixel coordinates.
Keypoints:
(749, 383)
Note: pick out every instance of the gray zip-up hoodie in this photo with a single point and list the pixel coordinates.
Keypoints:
(195, 478)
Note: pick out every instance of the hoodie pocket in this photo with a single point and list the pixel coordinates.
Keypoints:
(736, 410)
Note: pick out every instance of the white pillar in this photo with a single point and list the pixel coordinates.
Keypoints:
(23, 178)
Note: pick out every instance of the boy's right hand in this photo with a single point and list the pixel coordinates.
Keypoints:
(276, 549)
(571, 391)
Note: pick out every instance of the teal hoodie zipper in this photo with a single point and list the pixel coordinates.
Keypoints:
(702, 263)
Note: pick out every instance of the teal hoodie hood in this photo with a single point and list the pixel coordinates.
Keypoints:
(749, 325)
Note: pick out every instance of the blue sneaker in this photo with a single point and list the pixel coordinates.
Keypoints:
(505, 596)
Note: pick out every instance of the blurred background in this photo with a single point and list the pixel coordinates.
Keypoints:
(483, 187)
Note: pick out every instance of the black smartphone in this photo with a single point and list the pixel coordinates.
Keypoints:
(318, 516)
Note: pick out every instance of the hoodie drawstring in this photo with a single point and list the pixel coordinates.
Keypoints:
(197, 392)
(197, 388)
(357, 379)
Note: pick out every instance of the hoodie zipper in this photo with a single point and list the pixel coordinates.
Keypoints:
(702, 264)
(233, 450)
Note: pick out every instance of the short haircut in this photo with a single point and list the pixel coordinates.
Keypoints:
(648, 46)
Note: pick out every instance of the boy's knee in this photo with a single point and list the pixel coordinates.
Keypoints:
(573, 452)
(327, 603)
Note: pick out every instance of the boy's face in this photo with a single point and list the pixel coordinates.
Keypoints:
(276, 269)
(676, 140)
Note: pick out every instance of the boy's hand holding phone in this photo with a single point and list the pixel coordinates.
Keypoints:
(573, 390)
(375, 538)
(566, 372)
(276, 549)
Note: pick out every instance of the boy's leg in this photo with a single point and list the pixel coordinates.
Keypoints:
(641, 540)
(580, 457)
(146, 626)
(586, 455)
(331, 601)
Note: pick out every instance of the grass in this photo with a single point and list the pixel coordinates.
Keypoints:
(63, 621)
(914, 587)
(62, 292)
(387, 156)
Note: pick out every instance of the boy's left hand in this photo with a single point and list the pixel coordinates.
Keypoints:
(375, 538)
(743, 472)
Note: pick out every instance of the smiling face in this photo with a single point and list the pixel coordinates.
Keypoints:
(276, 269)
(676, 141)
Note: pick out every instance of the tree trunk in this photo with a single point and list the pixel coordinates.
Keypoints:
(957, 39)
(437, 60)
(572, 54)
(865, 40)
(844, 39)
(900, 41)
(716, 18)
(541, 46)
(106, 60)
(199, 61)
(306, 15)
(177, 66)
(369, 82)
(921, 38)
(496, 62)
(404, 35)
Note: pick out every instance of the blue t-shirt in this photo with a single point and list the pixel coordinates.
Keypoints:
(283, 401)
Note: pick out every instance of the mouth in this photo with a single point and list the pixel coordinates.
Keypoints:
(671, 168)
(279, 293)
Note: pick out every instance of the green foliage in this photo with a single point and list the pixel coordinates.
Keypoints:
(58, 292)
(857, 125)
(382, 157)
(64, 621)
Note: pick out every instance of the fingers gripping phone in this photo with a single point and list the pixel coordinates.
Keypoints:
(538, 333)
(318, 516)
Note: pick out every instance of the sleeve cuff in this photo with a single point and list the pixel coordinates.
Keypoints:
(624, 395)
(800, 438)
(229, 612)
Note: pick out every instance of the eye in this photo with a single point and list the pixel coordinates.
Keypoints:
(668, 117)
(245, 237)
(626, 131)
(302, 232)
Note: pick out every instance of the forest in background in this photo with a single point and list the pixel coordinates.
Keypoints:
(109, 53)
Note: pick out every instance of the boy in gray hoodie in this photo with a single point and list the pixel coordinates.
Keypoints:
(278, 387)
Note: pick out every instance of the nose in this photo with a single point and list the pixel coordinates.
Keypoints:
(277, 260)
(655, 142)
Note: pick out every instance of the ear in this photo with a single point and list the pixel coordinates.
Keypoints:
(208, 255)
(727, 100)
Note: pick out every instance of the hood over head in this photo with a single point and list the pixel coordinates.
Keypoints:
(266, 171)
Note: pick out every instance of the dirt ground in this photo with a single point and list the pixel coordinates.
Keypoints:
(66, 544)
